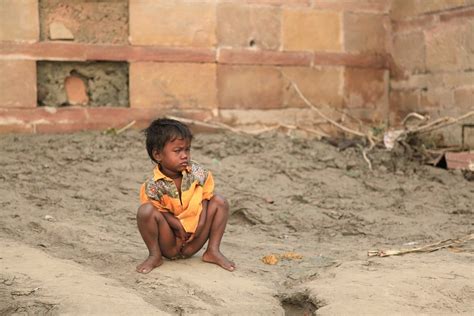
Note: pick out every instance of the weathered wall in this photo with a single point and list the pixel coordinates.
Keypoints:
(232, 60)
(433, 61)
(236, 60)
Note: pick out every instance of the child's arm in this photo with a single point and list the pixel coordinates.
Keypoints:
(201, 223)
(175, 225)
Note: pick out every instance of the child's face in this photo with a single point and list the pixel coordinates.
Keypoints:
(175, 156)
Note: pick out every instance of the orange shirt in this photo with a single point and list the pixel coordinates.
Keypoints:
(197, 185)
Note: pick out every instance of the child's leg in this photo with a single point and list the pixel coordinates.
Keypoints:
(157, 235)
(216, 221)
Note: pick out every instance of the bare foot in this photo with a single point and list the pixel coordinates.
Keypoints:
(218, 258)
(149, 264)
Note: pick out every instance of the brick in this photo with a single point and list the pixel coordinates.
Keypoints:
(403, 102)
(377, 6)
(319, 85)
(291, 116)
(173, 85)
(365, 88)
(409, 8)
(458, 79)
(364, 32)
(172, 23)
(259, 57)
(274, 2)
(17, 83)
(19, 21)
(16, 128)
(436, 98)
(311, 30)
(76, 90)
(409, 52)
(464, 98)
(465, 13)
(249, 87)
(449, 47)
(353, 60)
(248, 26)
(85, 52)
(416, 24)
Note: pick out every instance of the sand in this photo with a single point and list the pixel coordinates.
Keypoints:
(69, 242)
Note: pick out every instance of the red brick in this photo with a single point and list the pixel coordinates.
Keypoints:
(15, 128)
(76, 90)
(260, 57)
(84, 52)
(353, 5)
(276, 2)
(17, 83)
(353, 60)
(249, 87)
(457, 14)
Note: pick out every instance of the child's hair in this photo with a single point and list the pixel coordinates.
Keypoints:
(164, 130)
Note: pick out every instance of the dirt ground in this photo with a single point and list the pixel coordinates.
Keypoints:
(69, 242)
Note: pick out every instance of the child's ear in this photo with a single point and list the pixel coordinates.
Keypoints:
(156, 155)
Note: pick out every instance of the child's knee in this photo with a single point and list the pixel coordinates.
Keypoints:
(145, 212)
(221, 202)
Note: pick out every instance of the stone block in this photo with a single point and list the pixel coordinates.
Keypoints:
(365, 88)
(311, 30)
(406, 9)
(320, 85)
(409, 52)
(249, 87)
(17, 83)
(172, 23)
(450, 47)
(248, 26)
(376, 6)
(259, 57)
(464, 98)
(365, 32)
(436, 98)
(403, 102)
(19, 20)
(173, 85)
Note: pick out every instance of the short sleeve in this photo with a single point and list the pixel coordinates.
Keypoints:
(208, 187)
(144, 198)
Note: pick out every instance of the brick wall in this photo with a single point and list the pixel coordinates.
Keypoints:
(433, 61)
(232, 60)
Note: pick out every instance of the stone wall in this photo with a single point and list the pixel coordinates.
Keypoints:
(433, 62)
(235, 60)
(230, 60)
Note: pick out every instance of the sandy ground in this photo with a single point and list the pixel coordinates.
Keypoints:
(69, 243)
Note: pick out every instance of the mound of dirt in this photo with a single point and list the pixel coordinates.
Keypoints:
(69, 201)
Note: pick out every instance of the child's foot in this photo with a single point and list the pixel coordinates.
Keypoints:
(149, 264)
(218, 258)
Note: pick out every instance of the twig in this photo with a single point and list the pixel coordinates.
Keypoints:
(428, 248)
(314, 108)
(123, 129)
(415, 115)
(440, 123)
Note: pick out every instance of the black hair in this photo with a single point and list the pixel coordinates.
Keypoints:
(163, 130)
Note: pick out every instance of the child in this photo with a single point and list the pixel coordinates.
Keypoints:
(179, 211)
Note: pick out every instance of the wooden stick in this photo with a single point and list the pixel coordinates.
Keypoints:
(428, 248)
(123, 129)
(314, 108)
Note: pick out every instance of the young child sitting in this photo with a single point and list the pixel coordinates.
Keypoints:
(179, 211)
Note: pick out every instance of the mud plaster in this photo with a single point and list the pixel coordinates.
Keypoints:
(107, 82)
(90, 21)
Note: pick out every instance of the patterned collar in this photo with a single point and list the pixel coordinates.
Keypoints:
(157, 174)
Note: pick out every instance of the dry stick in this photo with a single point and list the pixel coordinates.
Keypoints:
(428, 248)
(123, 129)
(344, 128)
(445, 121)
